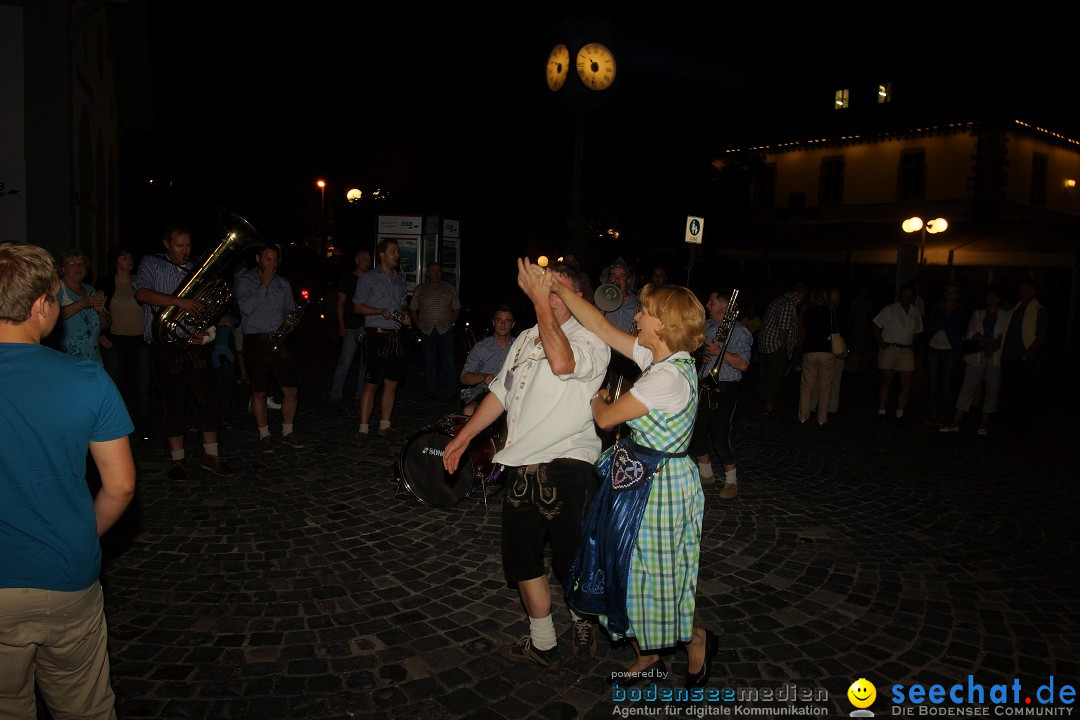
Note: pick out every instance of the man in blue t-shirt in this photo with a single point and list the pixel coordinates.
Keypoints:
(52, 408)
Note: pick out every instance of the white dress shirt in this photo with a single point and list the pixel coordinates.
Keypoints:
(549, 416)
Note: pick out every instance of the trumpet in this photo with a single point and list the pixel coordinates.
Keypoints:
(723, 336)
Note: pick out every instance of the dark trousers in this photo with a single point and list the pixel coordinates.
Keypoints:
(1018, 395)
(714, 422)
(128, 364)
(176, 371)
(439, 357)
(941, 368)
(773, 367)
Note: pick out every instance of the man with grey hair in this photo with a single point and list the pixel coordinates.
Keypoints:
(52, 614)
(545, 387)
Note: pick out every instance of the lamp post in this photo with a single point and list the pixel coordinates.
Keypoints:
(916, 224)
(321, 184)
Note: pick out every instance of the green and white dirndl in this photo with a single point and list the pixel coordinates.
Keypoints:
(662, 586)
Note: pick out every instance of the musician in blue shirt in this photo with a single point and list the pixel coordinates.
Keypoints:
(187, 366)
(720, 395)
(265, 299)
(380, 298)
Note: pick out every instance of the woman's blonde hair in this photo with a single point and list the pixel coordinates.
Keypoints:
(681, 312)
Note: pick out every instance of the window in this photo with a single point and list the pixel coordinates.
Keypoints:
(831, 184)
(841, 99)
(1039, 172)
(911, 176)
(884, 93)
(765, 187)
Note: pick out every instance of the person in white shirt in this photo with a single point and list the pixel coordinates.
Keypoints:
(551, 372)
(895, 328)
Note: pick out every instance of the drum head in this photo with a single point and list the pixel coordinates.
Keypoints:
(423, 474)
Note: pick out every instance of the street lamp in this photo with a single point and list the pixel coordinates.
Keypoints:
(321, 184)
(915, 224)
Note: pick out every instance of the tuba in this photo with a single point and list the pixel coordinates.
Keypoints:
(209, 284)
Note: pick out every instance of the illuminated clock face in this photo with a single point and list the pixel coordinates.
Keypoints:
(596, 66)
(558, 66)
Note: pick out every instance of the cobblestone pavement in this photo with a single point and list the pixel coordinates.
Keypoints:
(308, 587)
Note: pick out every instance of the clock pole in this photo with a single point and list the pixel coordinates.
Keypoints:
(581, 74)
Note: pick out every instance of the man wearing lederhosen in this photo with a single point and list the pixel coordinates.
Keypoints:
(265, 299)
(380, 297)
(545, 387)
(185, 366)
(720, 396)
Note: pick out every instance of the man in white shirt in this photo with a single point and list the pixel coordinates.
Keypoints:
(895, 328)
(545, 387)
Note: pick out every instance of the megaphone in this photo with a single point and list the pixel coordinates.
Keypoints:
(608, 297)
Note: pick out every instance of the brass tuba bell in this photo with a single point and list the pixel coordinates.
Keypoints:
(210, 284)
(608, 297)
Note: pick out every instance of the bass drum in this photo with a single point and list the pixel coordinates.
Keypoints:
(420, 465)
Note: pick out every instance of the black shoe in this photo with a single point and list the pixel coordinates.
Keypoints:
(701, 678)
(656, 671)
(177, 471)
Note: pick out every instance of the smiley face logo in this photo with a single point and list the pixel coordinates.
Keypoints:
(862, 693)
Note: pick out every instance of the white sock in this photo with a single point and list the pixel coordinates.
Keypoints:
(899, 413)
(575, 616)
(178, 455)
(729, 477)
(881, 411)
(542, 632)
(209, 449)
(264, 432)
(705, 469)
(385, 425)
(286, 429)
(364, 428)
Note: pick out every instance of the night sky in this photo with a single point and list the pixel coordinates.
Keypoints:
(449, 110)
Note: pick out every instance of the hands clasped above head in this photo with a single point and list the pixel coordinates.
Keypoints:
(534, 281)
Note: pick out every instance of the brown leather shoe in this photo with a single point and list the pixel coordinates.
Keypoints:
(291, 440)
(388, 434)
(729, 491)
(216, 465)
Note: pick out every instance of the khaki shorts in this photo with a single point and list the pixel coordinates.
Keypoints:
(896, 358)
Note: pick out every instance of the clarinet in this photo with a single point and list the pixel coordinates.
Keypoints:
(723, 336)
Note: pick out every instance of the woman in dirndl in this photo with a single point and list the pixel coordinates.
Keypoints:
(637, 566)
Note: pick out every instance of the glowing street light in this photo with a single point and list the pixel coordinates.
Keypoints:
(915, 224)
(321, 184)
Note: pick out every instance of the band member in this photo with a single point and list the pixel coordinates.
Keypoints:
(485, 359)
(720, 396)
(380, 297)
(189, 366)
(265, 299)
(545, 386)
